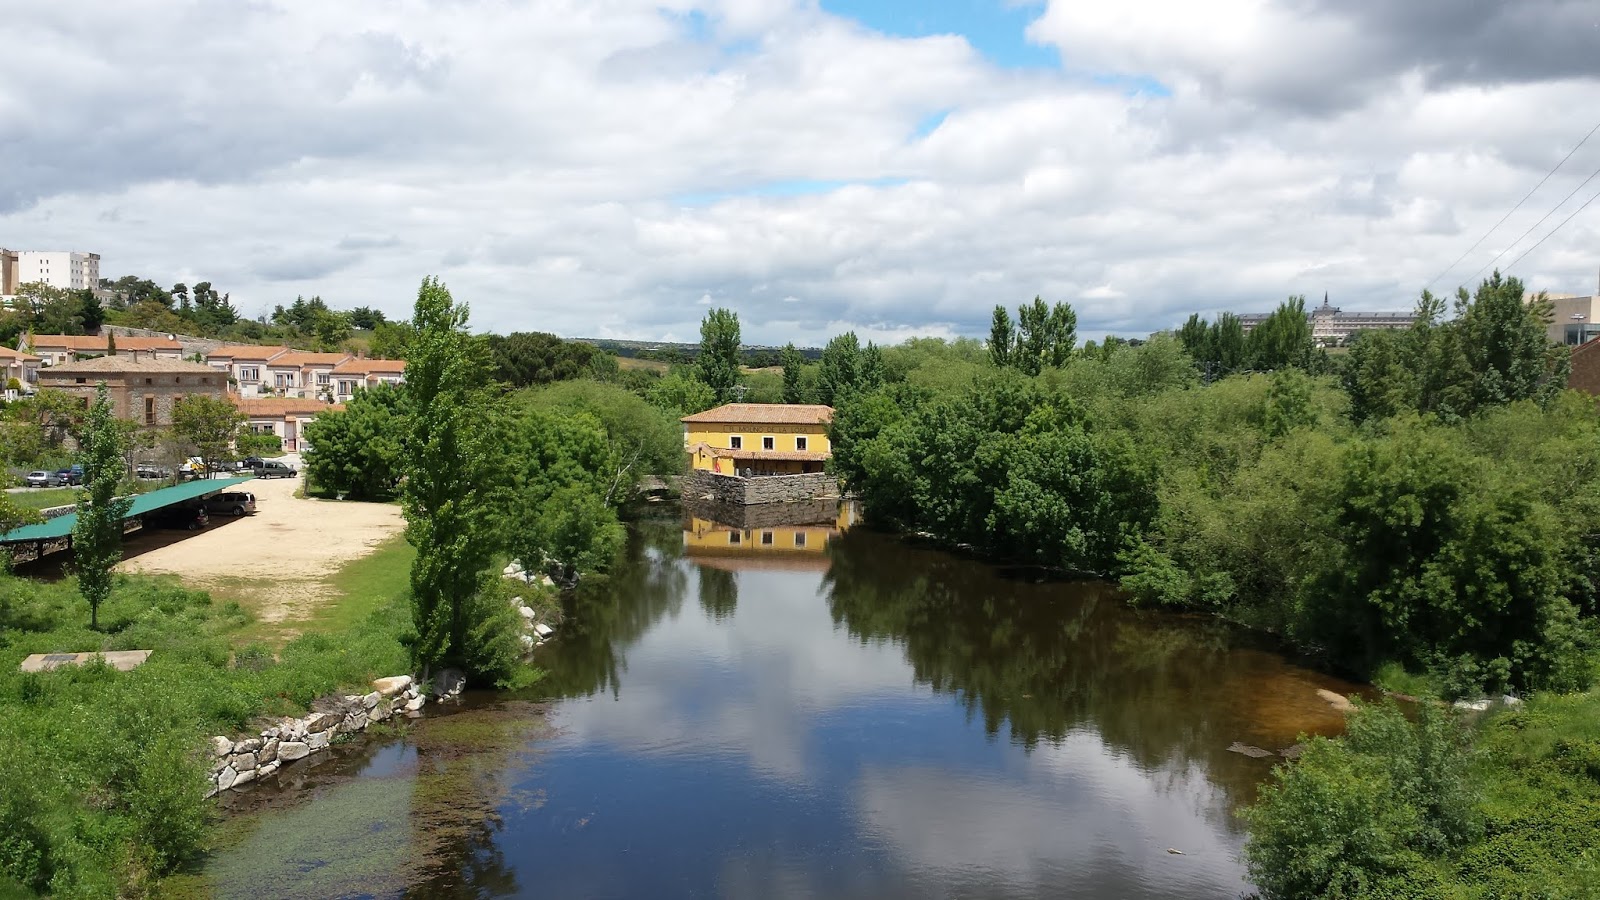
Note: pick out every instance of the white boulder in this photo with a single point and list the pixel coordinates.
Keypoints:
(290, 751)
(392, 685)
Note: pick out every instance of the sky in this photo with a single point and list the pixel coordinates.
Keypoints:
(614, 168)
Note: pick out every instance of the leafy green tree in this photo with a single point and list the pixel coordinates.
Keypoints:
(207, 424)
(97, 535)
(447, 474)
(1283, 339)
(1358, 816)
(794, 365)
(838, 372)
(258, 443)
(681, 395)
(392, 340)
(1504, 343)
(643, 439)
(358, 452)
(366, 318)
(527, 358)
(1045, 336)
(1002, 335)
(718, 363)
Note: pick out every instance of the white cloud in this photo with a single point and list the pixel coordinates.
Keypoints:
(601, 167)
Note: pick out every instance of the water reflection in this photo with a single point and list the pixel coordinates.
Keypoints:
(845, 715)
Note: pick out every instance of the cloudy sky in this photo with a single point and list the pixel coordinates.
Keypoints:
(613, 167)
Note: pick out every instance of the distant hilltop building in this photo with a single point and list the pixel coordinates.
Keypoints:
(64, 269)
(1574, 320)
(1331, 325)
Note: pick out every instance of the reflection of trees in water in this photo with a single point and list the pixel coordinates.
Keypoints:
(605, 615)
(719, 592)
(1046, 659)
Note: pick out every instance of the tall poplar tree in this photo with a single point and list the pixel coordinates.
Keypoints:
(97, 536)
(447, 483)
(718, 363)
(1002, 335)
(794, 389)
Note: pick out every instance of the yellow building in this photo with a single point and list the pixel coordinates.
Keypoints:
(759, 439)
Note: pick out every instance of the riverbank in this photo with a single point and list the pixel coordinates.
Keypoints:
(103, 773)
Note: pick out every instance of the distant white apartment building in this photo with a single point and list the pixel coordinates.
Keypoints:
(64, 269)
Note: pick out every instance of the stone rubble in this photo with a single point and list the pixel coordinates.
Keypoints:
(535, 633)
(237, 763)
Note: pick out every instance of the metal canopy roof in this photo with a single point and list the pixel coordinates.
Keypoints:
(61, 526)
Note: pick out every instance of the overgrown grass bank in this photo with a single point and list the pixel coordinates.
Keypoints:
(100, 775)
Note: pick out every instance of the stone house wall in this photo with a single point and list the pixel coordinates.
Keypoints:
(734, 489)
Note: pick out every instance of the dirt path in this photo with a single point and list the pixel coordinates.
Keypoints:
(276, 562)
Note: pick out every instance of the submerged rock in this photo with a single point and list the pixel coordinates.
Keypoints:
(1247, 750)
(1337, 701)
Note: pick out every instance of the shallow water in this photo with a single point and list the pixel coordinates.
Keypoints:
(733, 715)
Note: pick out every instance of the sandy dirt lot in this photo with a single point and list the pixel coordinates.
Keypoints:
(276, 562)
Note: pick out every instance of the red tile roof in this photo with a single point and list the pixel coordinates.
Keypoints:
(278, 407)
(370, 367)
(763, 414)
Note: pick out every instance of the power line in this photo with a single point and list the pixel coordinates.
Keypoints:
(1508, 215)
(1547, 215)
(1592, 198)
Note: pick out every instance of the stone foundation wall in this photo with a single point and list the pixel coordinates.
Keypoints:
(236, 763)
(735, 489)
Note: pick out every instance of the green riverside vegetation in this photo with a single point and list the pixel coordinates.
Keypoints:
(1421, 511)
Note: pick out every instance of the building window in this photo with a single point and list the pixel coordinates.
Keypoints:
(766, 538)
(149, 381)
(323, 378)
(177, 379)
(734, 443)
(80, 380)
(799, 538)
(769, 443)
(733, 537)
(149, 410)
(249, 374)
(800, 444)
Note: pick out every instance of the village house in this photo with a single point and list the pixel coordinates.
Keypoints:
(244, 364)
(24, 367)
(354, 374)
(752, 439)
(142, 389)
(56, 349)
(285, 417)
(299, 373)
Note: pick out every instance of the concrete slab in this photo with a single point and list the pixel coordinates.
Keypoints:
(121, 660)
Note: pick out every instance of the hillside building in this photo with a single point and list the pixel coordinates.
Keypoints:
(143, 390)
(1332, 326)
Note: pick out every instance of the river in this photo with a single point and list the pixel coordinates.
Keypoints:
(775, 710)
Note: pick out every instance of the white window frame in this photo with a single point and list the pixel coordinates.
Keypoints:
(735, 442)
(769, 442)
(800, 443)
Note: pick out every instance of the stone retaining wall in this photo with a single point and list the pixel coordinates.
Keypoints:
(237, 763)
(756, 489)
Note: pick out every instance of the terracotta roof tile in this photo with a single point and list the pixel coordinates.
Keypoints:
(763, 414)
(8, 353)
(276, 407)
(114, 364)
(370, 366)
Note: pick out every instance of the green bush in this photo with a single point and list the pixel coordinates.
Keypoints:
(100, 776)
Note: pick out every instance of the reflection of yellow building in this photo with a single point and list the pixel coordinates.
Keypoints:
(728, 546)
(759, 438)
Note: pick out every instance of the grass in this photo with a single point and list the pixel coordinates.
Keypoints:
(367, 585)
(46, 497)
(628, 364)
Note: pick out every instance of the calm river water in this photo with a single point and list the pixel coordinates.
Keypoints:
(774, 711)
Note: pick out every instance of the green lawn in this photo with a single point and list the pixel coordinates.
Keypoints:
(44, 499)
(366, 585)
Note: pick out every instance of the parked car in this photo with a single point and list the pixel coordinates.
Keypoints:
(271, 468)
(149, 470)
(250, 462)
(231, 503)
(39, 478)
(72, 476)
(180, 515)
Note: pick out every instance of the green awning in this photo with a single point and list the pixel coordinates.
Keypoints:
(61, 526)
